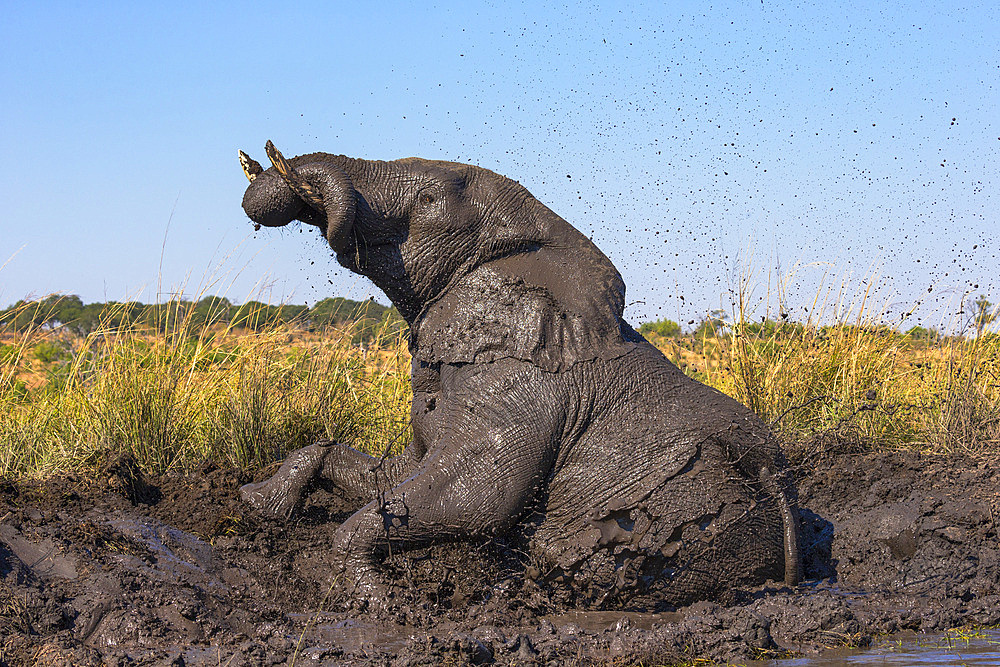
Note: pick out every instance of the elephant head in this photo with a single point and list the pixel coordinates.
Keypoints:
(478, 267)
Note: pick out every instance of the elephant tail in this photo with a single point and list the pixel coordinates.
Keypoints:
(790, 520)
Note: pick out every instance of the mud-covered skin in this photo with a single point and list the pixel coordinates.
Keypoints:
(533, 400)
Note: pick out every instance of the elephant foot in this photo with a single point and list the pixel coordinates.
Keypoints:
(364, 591)
(357, 577)
(282, 495)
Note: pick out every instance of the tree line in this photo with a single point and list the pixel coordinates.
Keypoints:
(368, 317)
(70, 313)
(979, 316)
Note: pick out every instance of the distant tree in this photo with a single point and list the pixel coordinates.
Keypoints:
(291, 313)
(131, 313)
(164, 317)
(18, 316)
(211, 310)
(62, 310)
(110, 316)
(661, 328)
(254, 315)
(83, 319)
(51, 312)
(89, 319)
(377, 321)
(713, 325)
(983, 313)
(927, 335)
(338, 310)
(29, 314)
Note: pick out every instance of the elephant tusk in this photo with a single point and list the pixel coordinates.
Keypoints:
(251, 168)
(293, 179)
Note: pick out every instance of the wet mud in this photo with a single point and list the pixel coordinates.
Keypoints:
(175, 570)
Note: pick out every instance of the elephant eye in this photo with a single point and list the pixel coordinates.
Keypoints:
(426, 198)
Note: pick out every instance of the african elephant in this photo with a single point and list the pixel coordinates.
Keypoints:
(534, 403)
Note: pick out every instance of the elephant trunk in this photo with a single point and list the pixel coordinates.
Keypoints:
(339, 201)
(316, 191)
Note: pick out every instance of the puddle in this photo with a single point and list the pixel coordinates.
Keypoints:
(175, 557)
(351, 634)
(168, 543)
(599, 621)
(42, 557)
(954, 648)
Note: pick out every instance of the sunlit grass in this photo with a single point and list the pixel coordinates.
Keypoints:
(178, 393)
(185, 394)
(848, 374)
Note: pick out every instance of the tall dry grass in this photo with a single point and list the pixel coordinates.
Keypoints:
(179, 394)
(848, 375)
(187, 394)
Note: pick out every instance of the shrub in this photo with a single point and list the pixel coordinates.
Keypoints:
(48, 352)
(662, 328)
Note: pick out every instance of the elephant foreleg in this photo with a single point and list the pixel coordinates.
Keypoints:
(456, 493)
(362, 475)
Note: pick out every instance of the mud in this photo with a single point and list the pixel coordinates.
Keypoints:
(174, 570)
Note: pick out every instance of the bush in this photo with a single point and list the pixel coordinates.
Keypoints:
(8, 354)
(48, 352)
(662, 328)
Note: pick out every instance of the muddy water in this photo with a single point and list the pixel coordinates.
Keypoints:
(599, 621)
(354, 635)
(925, 651)
(351, 635)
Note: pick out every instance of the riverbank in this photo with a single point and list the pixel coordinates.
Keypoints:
(123, 569)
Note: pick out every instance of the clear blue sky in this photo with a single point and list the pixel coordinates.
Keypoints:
(677, 134)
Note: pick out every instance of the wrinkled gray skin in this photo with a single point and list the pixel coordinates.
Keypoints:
(534, 404)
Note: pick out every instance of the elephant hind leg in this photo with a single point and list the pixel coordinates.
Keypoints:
(461, 491)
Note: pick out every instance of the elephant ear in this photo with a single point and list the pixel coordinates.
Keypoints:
(546, 295)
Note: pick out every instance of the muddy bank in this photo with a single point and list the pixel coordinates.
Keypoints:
(174, 570)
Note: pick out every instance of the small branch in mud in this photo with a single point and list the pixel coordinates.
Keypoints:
(312, 619)
(794, 408)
